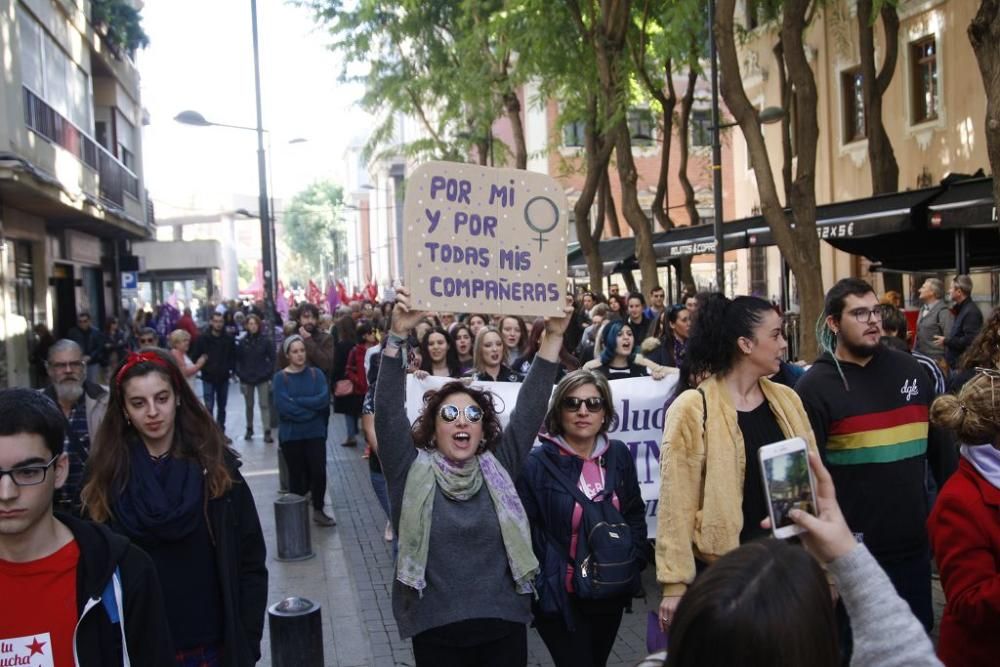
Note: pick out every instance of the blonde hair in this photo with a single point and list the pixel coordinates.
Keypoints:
(477, 346)
(177, 336)
(975, 412)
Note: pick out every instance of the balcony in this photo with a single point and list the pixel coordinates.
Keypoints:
(115, 180)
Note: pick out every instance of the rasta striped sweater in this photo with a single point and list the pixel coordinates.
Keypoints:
(872, 434)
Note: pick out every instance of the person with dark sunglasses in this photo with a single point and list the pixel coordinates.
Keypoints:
(465, 572)
(578, 625)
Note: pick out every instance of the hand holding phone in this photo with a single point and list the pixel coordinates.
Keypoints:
(788, 484)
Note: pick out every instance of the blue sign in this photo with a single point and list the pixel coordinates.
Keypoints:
(130, 280)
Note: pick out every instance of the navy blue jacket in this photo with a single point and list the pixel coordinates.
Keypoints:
(967, 325)
(549, 507)
(254, 359)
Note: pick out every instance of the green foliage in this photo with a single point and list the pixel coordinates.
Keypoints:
(245, 270)
(314, 228)
(122, 25)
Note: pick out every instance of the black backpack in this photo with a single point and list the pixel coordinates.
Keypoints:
(604, 566)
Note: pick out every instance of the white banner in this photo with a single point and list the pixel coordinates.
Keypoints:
(640, 415)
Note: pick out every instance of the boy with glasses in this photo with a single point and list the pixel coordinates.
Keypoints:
(73, 591)
(868, 405)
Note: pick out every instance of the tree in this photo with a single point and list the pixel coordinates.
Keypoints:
(881, 158)
(984, 34)
(799, 244)
(315, 229)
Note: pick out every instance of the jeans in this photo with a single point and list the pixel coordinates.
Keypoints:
(381, 492)
(216, 395)
(264, 397)
(352, 426)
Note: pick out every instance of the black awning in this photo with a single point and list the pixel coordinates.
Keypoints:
(967, 203)
(871, 217)
(617, 254)
(693, 240)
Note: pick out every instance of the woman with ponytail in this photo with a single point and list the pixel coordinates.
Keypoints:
(160, 474)
(964, 525)
(711, 490)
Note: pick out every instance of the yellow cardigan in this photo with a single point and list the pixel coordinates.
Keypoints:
(701, 476)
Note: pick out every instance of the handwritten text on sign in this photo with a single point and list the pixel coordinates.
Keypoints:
(480, 239)
(640, 416)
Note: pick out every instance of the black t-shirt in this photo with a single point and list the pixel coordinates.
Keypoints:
(759, 428)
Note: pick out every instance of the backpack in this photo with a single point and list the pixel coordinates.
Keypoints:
(604, 566)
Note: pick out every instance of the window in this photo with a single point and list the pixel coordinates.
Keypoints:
(758, 271)
(701, 127)
(573, 134)
(854, 105)
(49, 72)
(641, 126)
(923, 69)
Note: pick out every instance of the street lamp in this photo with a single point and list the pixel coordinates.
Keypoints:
(764, 117)
(266, 229)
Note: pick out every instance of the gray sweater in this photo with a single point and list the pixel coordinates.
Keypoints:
(467, 572)
(886, 633)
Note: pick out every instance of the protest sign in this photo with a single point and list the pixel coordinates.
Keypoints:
(485, 240)
(640, 415)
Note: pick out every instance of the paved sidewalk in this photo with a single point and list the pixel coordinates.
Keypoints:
(351, 574)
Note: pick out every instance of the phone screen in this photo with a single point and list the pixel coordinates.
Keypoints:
(788, 484)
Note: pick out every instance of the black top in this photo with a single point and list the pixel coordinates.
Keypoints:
(759, 428)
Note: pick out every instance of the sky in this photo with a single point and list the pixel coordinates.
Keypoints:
(200, 57)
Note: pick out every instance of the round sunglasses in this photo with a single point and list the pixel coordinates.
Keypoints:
(449, 413)
(572, 403)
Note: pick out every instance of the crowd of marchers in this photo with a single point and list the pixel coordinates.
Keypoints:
(129, 536)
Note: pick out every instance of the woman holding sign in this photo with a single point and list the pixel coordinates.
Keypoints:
(711, 491)
(466, 570)
(578, 481)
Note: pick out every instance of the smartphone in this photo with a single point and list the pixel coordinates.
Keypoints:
(788, 483)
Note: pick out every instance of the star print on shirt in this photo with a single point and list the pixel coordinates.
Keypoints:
(36, 647)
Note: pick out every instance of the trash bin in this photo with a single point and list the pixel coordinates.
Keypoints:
(296, 632)
(291, 525)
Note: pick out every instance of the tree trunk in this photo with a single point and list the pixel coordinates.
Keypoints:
(661, 200)
(799, 245)
(611, 212)
(636, 218)
(683, 123)
(597, 154)
(984, 34)
(787, 151)
(512, 105)
(881, 159)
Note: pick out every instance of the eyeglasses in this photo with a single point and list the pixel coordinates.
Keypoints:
(146, 341)
(66, 365)
(572, 403)
(866, 315)
(473, 413)
(28, 475)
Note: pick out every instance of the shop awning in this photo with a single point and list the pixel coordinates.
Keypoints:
(967, 203)
(700, 239)
(617, 254)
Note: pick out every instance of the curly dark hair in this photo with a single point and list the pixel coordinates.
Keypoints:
(423, 429)
(984, 350)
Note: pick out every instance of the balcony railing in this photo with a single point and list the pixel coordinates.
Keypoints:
(114, 178)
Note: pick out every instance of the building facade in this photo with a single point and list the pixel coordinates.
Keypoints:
(71, 185)
(933, 113)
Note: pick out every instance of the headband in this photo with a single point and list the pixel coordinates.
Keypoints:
(134, 359)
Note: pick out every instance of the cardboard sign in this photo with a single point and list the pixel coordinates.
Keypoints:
(485, 240)
(639, 420)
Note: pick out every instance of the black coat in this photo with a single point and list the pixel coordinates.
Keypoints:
(254, 359)
(98, 640)
(967, 325)
(221, 353)
(91, 342)
(549, 507)
(240, 555)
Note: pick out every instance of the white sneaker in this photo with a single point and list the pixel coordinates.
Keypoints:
(389, 535)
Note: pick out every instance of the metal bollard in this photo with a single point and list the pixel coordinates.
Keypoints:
(296, 633)
(291, 524)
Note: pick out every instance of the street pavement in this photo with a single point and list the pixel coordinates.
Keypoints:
(350, 576)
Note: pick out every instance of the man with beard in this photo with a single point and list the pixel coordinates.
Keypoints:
(319, 345)
(83, 404)
(868, 405)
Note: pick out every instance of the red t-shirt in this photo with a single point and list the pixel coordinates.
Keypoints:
(38, 612)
